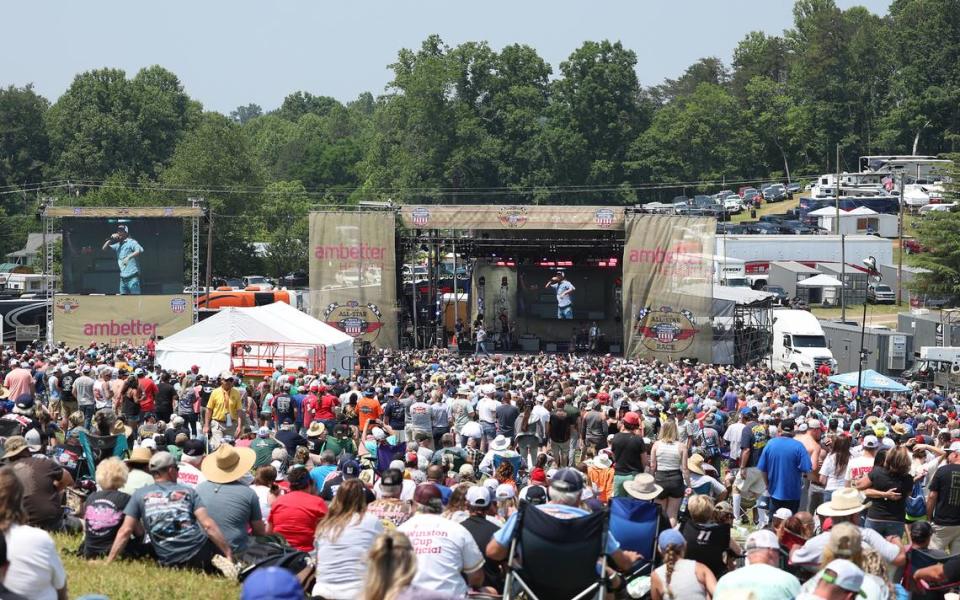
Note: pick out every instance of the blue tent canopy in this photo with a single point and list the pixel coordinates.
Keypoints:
(871, 380)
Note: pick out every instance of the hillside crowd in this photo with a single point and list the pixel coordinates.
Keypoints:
(431, 475)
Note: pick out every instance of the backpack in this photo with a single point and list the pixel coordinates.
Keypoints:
(709, 443)
(916, 503)
(185, 403)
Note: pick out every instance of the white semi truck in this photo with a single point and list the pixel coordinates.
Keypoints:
(799, 343)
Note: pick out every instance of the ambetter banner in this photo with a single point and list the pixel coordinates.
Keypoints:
(79, 320)
(668, 287)
(353, 275)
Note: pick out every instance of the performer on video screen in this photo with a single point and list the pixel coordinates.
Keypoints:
(128, 250)
(565, 292)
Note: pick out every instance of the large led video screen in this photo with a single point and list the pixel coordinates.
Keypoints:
(583, 293)
(128, 256)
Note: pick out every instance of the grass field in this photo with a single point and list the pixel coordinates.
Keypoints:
(768, 209)
(875, 312)
(137, 580)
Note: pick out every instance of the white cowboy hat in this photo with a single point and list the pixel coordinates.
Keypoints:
(845, 501)
(643, 487)
(500, 443)
(603, 461)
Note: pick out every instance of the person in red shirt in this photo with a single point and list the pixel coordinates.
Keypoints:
(309, 406)
(295, 514)
(325, 409)
(148, 391)
(824, 370)
(368, 408)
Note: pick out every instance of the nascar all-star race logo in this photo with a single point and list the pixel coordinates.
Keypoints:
(420, 216)
(360, 321)
(603, 217)
(178, 305)
(513, 217)
(666, 329)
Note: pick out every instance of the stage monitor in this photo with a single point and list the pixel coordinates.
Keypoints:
(582, 293)
(126, 255)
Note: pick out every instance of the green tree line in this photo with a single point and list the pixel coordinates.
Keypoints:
(471, 124)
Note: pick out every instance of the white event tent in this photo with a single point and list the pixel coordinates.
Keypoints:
(208, 344)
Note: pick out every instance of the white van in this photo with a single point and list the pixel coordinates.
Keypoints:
(799, 342)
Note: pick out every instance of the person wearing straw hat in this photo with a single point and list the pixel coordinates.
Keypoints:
(700, 479)
(232, 504)
(44, 481)
(138, 477)
(845, 506)
(181, 531)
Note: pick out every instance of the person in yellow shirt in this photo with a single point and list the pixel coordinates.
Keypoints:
(223, 411)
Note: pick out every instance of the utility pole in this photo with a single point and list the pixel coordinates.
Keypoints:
(900, 235)
(209, 276)
(843, 249)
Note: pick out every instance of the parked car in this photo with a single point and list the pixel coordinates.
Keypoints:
(732, 204)
(230, 282)
(931, 208)
(782, 297)
(775, 193)
(880, 293)
(793, 188)
(296, 279)
(260, 281)
(752, 195)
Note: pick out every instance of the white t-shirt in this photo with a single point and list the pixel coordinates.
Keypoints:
(487, 410)
(829, 470)
(445, 549)
(35, 568)
(407, 490)
(541, 414)
(857, 467)
(732, 437)
(189, 475)
(697, 480)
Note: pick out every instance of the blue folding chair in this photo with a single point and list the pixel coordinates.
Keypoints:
(97, 448)
(515, 461)
(636, 525)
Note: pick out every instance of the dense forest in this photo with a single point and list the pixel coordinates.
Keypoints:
(473, 124)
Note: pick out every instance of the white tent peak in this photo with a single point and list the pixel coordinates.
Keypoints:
(820, 281)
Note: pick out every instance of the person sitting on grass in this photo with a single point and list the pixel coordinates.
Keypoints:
(181, 532)
(103, 512)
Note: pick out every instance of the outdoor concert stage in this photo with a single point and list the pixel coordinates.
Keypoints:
(496, 268)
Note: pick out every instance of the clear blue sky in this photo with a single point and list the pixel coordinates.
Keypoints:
(241, 51)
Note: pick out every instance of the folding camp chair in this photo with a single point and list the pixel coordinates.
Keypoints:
(98, 447)
(558, 558)
(515, 461)
(918, 559)
(636, 525)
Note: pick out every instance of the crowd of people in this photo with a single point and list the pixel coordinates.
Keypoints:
(408, 478)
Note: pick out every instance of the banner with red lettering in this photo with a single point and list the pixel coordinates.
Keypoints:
(353, 274)
(79, 320)
(668, 287)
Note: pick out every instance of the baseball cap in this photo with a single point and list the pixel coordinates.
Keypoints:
(871, 441)
(271, 583)
(845, 575)
(226, 375)
(505, 491)
(263, 432)
(391, 478)
(670, 537)
(762, 539)
(631, 418)
(955, 447)
(478, 496)
(788, 425)
(350, 469)
(32, 438)
(783, 513)
(567, 480)
(161, 461)
(379, 434)
(534, 494)
(193, 448)
(427, 494)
